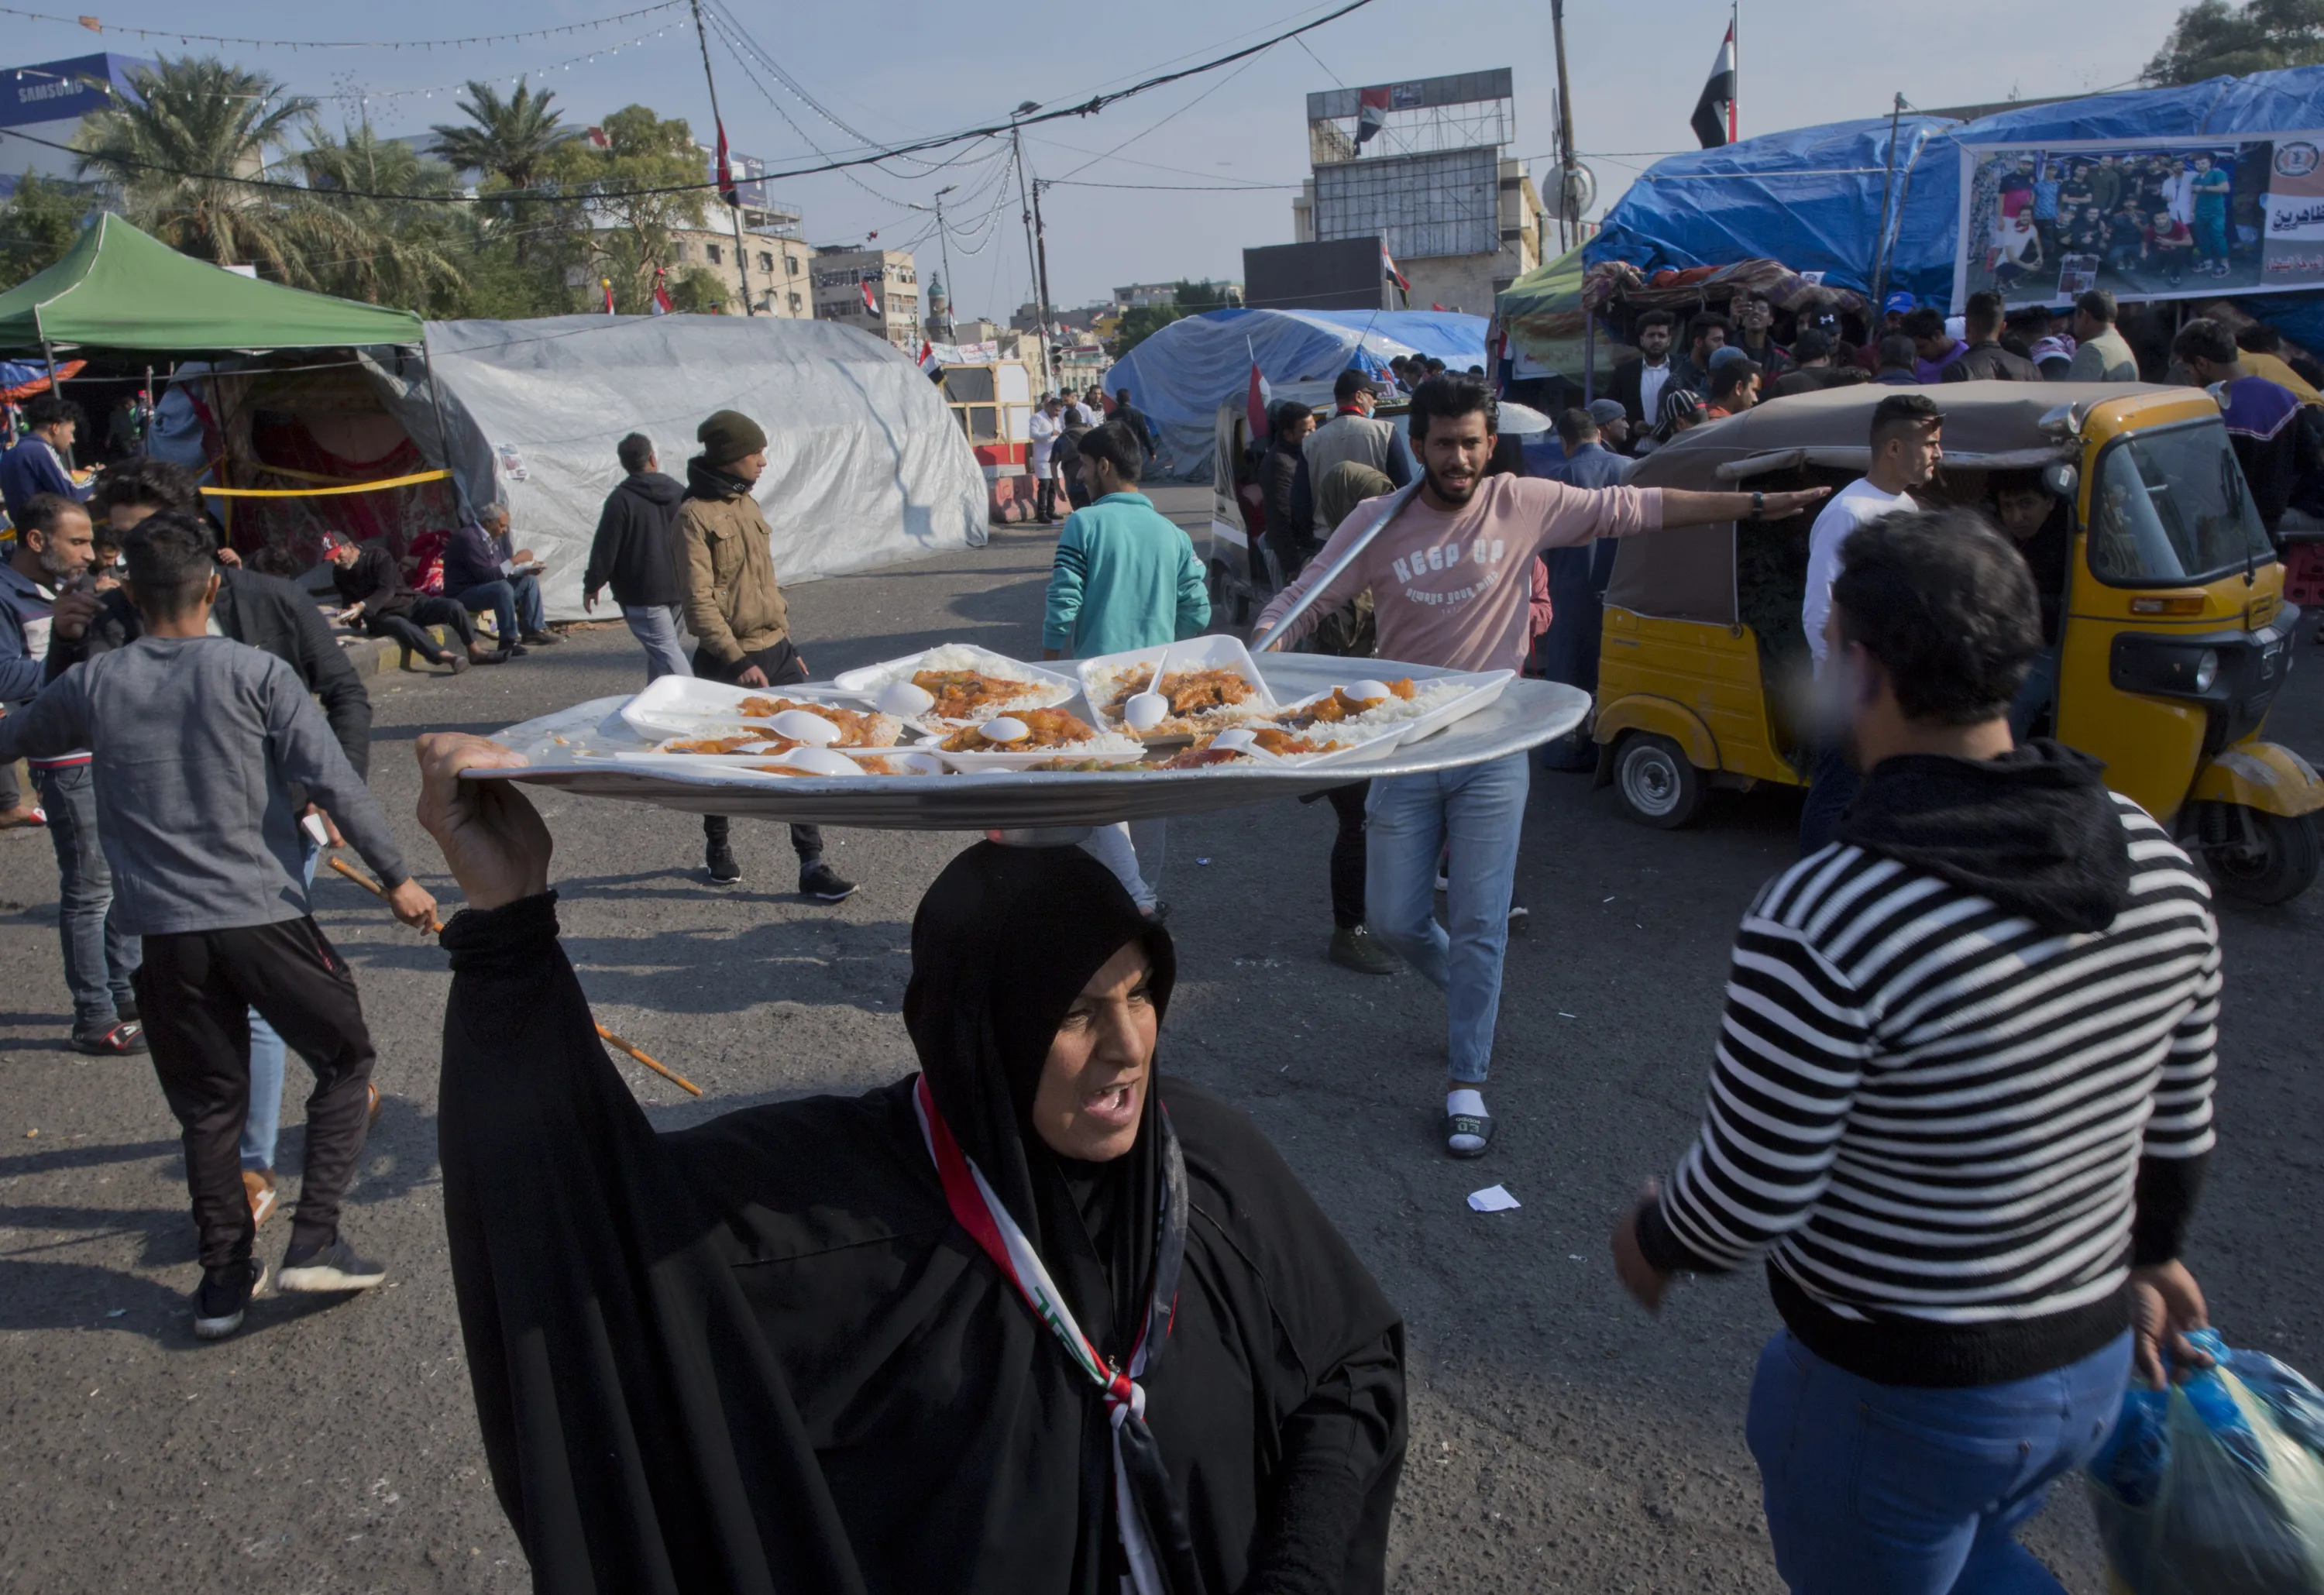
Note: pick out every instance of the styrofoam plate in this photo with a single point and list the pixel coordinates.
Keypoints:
(681, 706)
(1052, 687)
(1483, 688)
(1100, 677)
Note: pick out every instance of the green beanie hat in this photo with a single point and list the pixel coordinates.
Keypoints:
(729, 436)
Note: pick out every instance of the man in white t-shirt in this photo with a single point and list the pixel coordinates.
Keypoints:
(1907, 430)
(1042, 433)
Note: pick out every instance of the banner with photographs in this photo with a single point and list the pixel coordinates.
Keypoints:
(2155, 219)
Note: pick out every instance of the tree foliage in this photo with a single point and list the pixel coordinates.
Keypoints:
(518, 143)
(632, 230)
(37, 225)
(1186, 299)
(2213, 37)
(403, 251)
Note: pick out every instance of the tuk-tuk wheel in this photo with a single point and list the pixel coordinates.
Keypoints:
(2272, 859)
(1658, 786)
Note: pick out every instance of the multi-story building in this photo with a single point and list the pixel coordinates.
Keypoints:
(840, 278)
(773, 255)
(1421, 166)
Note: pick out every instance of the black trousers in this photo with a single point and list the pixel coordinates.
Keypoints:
(1044, 499)
(781, 666)
(1348, 854)
(410, 629)
(195, 989)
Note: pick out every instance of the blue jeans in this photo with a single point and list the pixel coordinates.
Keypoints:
(1407, 820)
(98, 958)
(514, 600)
(655, 626)
(1892, 1490)
(264, 1120)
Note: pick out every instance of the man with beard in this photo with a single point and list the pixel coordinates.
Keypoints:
(54, 548)
(736, 611)
(1638, 383)
(1449, 574)
(1908, 446)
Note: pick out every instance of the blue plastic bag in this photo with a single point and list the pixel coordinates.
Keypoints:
(2216, 1486)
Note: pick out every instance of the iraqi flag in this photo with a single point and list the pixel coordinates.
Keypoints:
(1714, 113)
(661, 292)
(1403, 283)
(928, 360)
(1371, 113)
(607, 284)
(726, 189)
(870, 305)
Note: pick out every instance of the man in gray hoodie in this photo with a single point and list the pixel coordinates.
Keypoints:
(198, 741)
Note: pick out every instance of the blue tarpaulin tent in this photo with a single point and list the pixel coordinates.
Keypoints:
(1811, 197)
(1180, 375)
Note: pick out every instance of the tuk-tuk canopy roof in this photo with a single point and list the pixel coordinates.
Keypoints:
(1689, 573)
(118, 289)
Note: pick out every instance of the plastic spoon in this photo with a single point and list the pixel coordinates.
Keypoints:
(1145, 710)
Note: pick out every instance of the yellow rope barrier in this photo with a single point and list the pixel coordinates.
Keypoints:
(326, 492)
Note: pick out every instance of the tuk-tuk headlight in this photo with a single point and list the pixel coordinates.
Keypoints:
(2206, 669)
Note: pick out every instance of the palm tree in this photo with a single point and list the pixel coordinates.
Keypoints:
(173, 153)
(393, 252)
(511, 139)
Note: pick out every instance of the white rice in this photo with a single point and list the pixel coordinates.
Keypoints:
(1427, 697)
(962, 656)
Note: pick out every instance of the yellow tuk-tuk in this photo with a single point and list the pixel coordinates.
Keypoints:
(2173, 634)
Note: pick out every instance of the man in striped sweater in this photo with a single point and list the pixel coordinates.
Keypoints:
(1961, 1105)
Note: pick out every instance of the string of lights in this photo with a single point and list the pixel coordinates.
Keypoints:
(186, 36)
(354, 95)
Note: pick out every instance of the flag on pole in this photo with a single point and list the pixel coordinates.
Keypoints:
(607, 284)
(1256, 402)
(661, 306)
(1714, 113)
(870, 305)
(928, 360)
(1371, 113)
(726, 189)
(1403, 284)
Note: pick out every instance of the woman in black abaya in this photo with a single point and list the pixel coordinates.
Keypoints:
(792, 1350)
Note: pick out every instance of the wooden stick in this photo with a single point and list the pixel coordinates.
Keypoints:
(372, 887)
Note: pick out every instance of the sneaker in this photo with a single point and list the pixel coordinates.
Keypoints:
(719, 859)
(1355, 948)
(258, 1186)
(457, 661)
(1443, 884)
(117, 1040)
(515, 650)
(540, 639)
(224, 1296)
(1520, 919)
(330, 1267)
(824, 884)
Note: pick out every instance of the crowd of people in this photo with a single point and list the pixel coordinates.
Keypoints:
(1055, 431)
(936, 1337)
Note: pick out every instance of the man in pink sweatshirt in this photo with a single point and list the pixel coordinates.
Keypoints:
(1449, 580)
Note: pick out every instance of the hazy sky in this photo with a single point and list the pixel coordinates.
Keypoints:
(909, 68)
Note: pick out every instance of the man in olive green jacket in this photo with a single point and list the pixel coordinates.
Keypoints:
(735, 610)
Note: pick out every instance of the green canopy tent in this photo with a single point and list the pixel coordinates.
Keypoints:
(1541, 312)
(118, 289)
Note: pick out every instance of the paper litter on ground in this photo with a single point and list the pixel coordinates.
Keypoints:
(1492, 1199)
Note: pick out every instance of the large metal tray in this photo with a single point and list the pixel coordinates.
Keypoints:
(561, 746)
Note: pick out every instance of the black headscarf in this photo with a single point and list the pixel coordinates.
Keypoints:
(1003, 945)
(760, 1355)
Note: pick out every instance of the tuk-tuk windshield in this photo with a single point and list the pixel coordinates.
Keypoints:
(2170, 508)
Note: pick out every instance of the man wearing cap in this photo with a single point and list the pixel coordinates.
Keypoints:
(1354, 433)
(736, 611)
(1613, 425)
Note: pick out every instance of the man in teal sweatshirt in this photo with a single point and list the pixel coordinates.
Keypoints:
(1125, 575)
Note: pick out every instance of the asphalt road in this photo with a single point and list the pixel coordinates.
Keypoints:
(1559, 1439)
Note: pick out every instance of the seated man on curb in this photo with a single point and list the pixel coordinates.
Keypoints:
(1961, 1103)
(482, 571)
(377, 598)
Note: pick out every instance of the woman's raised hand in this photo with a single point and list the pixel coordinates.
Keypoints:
(491, 835)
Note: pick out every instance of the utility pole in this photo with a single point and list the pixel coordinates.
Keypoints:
(1032, 258)
(1041, 244)
(1569, 221)
(1880, 240)
(742, 251)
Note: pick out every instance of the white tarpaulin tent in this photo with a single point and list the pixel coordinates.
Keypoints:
(865, 466)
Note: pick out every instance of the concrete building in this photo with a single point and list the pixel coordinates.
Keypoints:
(776, 257)
(839, 277)
(1420, 166)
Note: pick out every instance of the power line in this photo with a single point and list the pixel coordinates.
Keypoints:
(1088, 107)
(184, 37)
